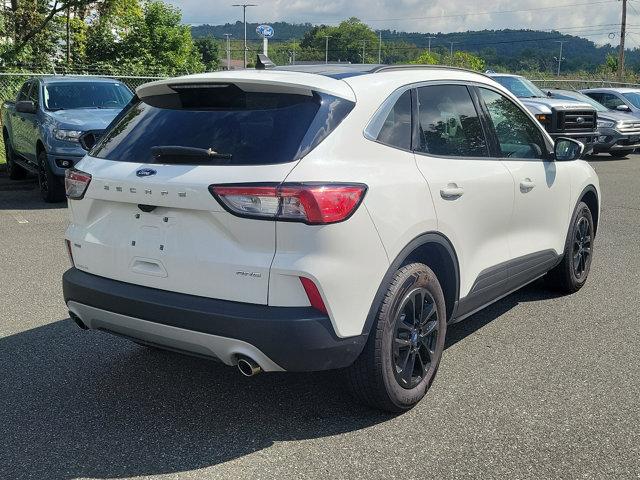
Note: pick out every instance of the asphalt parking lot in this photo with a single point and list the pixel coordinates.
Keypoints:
(535, 386)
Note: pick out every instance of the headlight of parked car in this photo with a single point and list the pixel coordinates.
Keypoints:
(68, 135)
(606, 124)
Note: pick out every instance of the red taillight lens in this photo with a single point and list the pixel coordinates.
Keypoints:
(315, 204)
(315, 299)
(76, 183)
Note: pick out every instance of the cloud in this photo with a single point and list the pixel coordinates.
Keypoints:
(592, 19)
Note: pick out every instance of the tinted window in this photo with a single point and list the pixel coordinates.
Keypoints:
(449, 123)
(24, 92)
(633, 98)
(518, 136)
(611, 101)
(396, 130)
(520, 87)
(34, 93)
(72, 95)
(216, 127)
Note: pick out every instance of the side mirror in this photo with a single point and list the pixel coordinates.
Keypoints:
(623, 108)
(567, 149)
(25, 106)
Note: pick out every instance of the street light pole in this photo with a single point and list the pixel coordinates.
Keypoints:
(561, 42)
(364, 42)
(244, 19)
(228, 51)
(380, 47)
(430, 37)
(326, 48)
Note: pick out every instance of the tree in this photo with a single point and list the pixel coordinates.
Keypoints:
(427, 58)
(346, 42)
(209, 52)
(467, 60)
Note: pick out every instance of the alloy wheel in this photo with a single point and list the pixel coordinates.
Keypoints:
(581, 247)
(415, 339)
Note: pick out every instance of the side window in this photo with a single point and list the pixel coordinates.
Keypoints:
(596, 96)
(396, 130)
(449, 124)
(517, 135)
(34, 93)
(611, 101)
(24, 92)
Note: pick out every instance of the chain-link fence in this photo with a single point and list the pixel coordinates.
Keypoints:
(10, 84)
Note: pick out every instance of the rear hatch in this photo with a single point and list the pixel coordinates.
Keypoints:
(148, 217)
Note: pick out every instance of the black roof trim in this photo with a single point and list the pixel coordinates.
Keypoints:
(344, 70)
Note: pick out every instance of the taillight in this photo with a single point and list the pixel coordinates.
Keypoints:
(313, 294)
(76, 183)
(314, 204)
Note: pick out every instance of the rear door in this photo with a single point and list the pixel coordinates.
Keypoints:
(148, 216)
(472, 192)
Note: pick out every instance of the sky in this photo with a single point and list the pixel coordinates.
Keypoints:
(597, 20)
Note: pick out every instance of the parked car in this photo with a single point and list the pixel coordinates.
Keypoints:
(287, 220)
(626, 100)
(619, 133)
(561, 118)
(52, 123)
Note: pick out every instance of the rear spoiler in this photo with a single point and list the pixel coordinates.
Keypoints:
(264, 80)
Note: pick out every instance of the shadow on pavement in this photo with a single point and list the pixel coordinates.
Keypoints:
(23, 195)
(81, 404)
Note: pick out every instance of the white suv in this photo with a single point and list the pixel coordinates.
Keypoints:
(333, 218)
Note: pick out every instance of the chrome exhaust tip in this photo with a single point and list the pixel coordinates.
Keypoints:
(248, 367)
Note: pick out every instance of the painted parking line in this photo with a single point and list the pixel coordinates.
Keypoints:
(19, 218)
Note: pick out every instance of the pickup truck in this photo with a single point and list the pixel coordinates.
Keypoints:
(52, 124)
(560, 117)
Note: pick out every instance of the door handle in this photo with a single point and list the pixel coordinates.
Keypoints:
(451, 192)
(526, 185)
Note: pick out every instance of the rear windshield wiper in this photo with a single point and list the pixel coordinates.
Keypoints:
(178, 154)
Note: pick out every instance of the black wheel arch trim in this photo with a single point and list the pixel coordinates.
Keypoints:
(419, 241)
(596, 215)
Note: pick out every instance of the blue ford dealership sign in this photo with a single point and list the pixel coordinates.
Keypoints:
(265, 31)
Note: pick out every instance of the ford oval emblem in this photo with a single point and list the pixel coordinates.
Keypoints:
(580, 120)
(145, 172)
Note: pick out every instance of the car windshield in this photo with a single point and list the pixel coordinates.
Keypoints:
(222, 125)
(73, 95)
(580, 97)
(633, 97)
(520, 87)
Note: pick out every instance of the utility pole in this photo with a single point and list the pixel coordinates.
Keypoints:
(364, 42)
(430, 44)
(326, 48)
(451, 51)
(244, 19)
(379, 47)
(623, 31)
(228, 51)
(560, 58)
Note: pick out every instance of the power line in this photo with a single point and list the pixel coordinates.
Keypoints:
(494, 12)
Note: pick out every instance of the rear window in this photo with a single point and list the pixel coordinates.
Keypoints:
(222, 124)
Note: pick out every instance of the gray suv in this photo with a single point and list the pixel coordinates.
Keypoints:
(619, 132)
(560, 117)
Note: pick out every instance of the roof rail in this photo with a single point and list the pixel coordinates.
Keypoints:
(388, 68)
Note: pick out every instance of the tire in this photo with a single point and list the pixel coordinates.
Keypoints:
(620, 153)
(14, 171)
(377, 378)
(51, 187)
(571, 273)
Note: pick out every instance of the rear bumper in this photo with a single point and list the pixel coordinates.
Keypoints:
(278, 338)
